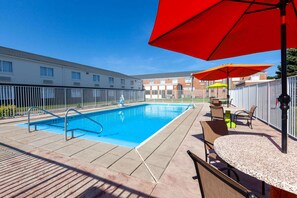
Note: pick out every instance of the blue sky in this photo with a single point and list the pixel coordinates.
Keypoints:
(109, 34)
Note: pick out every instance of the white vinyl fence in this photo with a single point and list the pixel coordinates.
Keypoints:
(264, 96)
(179, 96)
(16, 100)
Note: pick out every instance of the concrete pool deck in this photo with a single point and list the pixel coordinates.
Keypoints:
(105, 169)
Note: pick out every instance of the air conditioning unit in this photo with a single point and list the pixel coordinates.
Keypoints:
(48, 82)
(5, 79)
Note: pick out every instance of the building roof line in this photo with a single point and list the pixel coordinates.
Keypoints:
(166, 75)
(36, 57)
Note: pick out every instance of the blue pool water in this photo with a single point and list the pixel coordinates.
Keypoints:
(128, 126)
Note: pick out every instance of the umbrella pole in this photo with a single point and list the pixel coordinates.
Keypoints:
(284, 98)
(228, 96)
(217, 92)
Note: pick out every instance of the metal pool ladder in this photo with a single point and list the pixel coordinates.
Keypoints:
(29, 113)
(66, 122)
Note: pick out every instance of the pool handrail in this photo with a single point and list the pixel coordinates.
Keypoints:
(190, 105)
(76, 111)
(29, 115)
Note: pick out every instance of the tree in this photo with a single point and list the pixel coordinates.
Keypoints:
(291, 63)
(271, 77)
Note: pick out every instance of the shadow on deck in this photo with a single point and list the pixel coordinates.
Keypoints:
(26, 174)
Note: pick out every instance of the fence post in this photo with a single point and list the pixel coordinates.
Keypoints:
(95, 97)
(293, 104)
(106, 93)
(43, 98)
(257, 93)
(82, 98)
(13, 98)
(269, 103)
(65, 98)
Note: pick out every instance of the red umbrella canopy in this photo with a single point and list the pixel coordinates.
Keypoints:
(230, 71)
(216, 29)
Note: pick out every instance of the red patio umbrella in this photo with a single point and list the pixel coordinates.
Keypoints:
(216, 29)
(230, 71)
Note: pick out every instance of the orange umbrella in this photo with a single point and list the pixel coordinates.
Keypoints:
(230, 71)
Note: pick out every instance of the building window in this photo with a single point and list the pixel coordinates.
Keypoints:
(154, 92)
(111, 80)
(75, 93)
(174, 81)
(162, 82)
(96, 78)
(147, 92)
(48, 93)
(46, 71)
(151, 82)
(169, 92)
(6, 66)
(111, 93)
(6, 93)
(96, 93)
(75, 75)
(188, 80)
(131, 82)
(122, 81)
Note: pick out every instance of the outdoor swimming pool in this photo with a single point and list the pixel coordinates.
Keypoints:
(128, 126)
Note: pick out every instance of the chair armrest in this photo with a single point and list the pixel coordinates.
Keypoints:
(240, 111)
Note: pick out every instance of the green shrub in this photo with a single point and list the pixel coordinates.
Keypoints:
(78, 106)
(7, 111)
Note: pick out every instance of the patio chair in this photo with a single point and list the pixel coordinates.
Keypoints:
(216, 112)
(245, 115)
(216, 102)
(215, 184)
(230, 102)
(211, 131)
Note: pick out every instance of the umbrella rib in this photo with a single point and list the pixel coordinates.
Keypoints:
(222, 71)
(185, 22)
(254, 2)
(261, 10)
(294, 7)
(250, 69)
(230, 30)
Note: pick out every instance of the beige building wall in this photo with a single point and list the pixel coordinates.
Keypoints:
(185, 85)
(28, 72)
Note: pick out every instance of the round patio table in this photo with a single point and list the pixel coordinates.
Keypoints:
(261, 157)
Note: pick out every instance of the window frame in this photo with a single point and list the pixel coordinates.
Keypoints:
(49, 93)
(2, 67)
(174, 81)
(96, 78)
(111, 80)
(76, 93)
(73, 77)
(46, 74)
